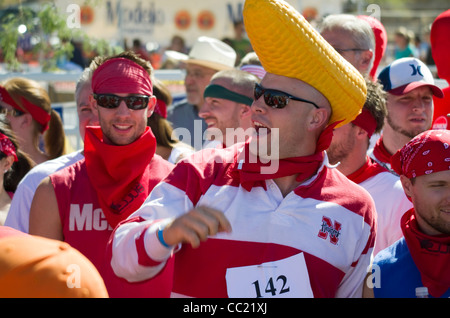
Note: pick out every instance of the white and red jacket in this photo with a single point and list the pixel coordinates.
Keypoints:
(317, 241)
(390, 201)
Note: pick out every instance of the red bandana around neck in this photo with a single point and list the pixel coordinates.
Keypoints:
(249, 167)
(380, 152)
(119, 174)
(431, 254)
(368, 170)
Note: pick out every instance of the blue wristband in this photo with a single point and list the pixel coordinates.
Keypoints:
(159, 234)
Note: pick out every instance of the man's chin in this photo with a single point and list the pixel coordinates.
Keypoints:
(194, 100)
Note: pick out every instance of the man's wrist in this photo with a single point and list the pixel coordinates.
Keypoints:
(159, 234)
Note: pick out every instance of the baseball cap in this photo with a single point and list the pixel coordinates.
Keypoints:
(212, 53)
(405, 74)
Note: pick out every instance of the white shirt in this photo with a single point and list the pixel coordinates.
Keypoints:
(19, 213)
(391, 203)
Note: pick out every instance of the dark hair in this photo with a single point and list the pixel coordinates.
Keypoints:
(376, 103)
(19, 168)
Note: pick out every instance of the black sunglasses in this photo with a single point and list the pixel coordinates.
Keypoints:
(134, 102)
(275, 98)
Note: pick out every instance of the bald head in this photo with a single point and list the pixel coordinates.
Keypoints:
(237, 81)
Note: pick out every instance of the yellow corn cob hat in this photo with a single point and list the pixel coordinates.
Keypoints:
(288, 45)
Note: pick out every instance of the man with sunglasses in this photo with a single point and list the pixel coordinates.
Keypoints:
(81, 204)
(242, 229)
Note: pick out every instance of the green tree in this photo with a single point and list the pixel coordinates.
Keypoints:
(48, 23)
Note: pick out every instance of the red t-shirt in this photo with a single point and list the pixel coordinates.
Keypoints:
(86, 228)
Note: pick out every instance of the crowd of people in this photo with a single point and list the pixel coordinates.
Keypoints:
(296, 169)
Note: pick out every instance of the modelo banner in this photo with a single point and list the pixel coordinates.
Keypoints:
(159, 20)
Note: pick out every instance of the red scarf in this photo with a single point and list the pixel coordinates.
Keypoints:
(119, 174)
(249, 168)
(380, 152)
(431, 254)
(369, 169)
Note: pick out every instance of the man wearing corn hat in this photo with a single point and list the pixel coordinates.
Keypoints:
(239, 228)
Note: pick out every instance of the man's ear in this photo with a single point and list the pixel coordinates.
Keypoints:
(93, 102)
(151, 106)
(318, 118)
(366, 58)
(407, 185)
(360, 133)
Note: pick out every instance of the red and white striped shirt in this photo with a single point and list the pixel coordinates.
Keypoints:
(316, 241)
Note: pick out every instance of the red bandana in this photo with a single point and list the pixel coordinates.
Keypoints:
(250, 168)
(366, 121)
(426, 153)
(119, 174)
(431, 254)
(369, 169)
(380, 152)
(7, 147)
(121, 75)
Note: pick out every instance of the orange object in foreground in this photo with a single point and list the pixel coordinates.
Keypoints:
(37, 267)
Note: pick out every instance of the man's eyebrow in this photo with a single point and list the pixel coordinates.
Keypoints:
(437, 181)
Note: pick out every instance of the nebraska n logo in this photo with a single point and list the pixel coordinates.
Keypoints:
(328, 228)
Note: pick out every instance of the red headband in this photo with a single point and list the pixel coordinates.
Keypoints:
(161, 108)
(5, 97)
(7, 147)
(366, 121)
(38, 114)
(426, 153)
(121, 76)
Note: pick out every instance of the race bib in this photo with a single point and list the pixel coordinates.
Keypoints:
(286, 278)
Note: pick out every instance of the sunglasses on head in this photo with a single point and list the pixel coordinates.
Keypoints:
(275, 98)
(134, 102)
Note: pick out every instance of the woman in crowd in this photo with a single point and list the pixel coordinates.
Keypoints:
(14, 164)
(28, 109)
(168, 146)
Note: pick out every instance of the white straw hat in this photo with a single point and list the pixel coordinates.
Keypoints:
(212, 53)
